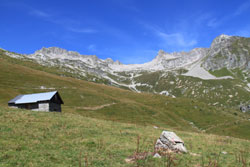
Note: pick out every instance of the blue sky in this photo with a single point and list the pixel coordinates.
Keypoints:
(131, 31)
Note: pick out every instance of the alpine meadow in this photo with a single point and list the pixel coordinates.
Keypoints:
(128, 83)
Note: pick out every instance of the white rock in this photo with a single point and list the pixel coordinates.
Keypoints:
(157, 155)
(155, 127)
(170, 141)
(224, 152)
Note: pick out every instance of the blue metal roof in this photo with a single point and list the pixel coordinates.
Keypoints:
(33, 98)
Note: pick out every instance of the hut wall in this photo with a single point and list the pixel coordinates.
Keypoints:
(54, 107)
(12, 105)
(33, 106)
(30, 106)
(42, 107)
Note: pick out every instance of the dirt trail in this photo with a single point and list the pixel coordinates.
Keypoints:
(96, 107)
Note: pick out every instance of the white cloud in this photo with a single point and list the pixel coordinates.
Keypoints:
(174, 41)
(92, 47)
(39, 13)
(127, 4)
(83, 30)
(201, 18)
(242, 8)
(68, 24)
(213, 23)
(177, 39)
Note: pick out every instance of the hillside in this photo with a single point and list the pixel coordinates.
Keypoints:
(64, 139)
(110, 103)
(218, 76)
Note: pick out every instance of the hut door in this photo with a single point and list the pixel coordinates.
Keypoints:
(28, 106)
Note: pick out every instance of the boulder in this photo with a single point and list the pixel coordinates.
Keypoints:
(169, 141)
(243, 109)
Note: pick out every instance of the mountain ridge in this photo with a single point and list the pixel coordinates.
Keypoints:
(216, 75)
(163, 60)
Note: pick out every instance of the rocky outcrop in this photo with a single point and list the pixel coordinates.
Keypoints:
(169, 141)
(245, 109)
(228, 52)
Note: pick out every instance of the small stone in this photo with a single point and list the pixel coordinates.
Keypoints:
(155, 127)
(224, 152)
(129, 160)
(157, 155)
(194, 154)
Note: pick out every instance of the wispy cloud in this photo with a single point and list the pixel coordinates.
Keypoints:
(39, 13)
(83, 30)
(215, 22)
(127, 4)
(175, 39)
(92, 48)
(242, 8)
(201, 18)
(69, 24)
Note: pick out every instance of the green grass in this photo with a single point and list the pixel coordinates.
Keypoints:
(221, 73)
(129, 107)
(108, 135)
(226, 93)
(46, 139)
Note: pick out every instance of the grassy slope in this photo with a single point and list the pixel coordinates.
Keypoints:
(227, 93)
(63, 139)
(223, 93)
(15, 78)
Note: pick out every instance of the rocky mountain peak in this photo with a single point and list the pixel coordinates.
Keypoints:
(225, 51)
(117, 62)
(221, 40)
(52, 50)
(109, 61)
(161, 52)
(228, 52)
(56, 51)
(59, 53)
(162, 55)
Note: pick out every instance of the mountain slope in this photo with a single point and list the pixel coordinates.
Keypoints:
(105, 102)
(219, 75)
(228, 52)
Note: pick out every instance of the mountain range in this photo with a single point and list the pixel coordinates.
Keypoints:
(219, 75)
